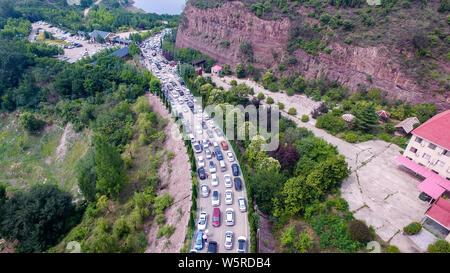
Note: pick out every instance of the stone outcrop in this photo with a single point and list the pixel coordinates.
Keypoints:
(219, 32)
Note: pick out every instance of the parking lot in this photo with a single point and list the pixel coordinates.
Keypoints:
(71, 53)
(208, 141)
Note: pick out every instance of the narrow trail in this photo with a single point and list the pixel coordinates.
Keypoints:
(86, 11)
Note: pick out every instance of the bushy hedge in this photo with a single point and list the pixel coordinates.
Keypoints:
(359, 231)
(412, 228)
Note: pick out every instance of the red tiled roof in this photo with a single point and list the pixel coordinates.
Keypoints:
(436, 130)
(440, 212)
(431, 188)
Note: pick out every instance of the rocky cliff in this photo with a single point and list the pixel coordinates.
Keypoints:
(219, 32)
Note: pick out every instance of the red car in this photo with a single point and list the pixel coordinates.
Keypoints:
(216, 217)
(224, 145)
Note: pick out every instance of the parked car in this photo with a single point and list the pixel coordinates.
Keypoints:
(425, 197)
(209, 133)
(208, 154)
(215, 144)
(215, 199)
(218, 153)
(216, 217)
(199, 241)
(201, 173)
(197, 148)
(230, 156)
(212, 167)
(205, 143)
(235, 169)
(223, 166)
(224, 145)
(214, 180)
(242, 204)
(218, 132)
(228, 182)
(229, 240)
(237, 183)
(229, 197)
(229, 216)
(242, 244)
(205, 190)
(212, 247)
(203, 219)
(201, 162)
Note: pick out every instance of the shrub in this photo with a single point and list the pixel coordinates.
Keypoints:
(280, 105)
(273, 87)
(261, 96)
(160, 219)
(292, 111)
(359, 231)
(392, 249)
(412, 228)
(440, 246)
(30, 123)
(290, 92)
(269, 100)
(233, 83)
(331, 123)
(351, 137)
(305, 118)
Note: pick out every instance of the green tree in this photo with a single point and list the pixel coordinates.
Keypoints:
(109, 166)
(155, 85)
(37, 218)
(366, 117)
(304, 242)
(440, 246)
(267, 79)
(299, 85)
(30, 123)
(240, 71)
(87, 176)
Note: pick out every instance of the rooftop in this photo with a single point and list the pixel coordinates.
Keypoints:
(436, 130)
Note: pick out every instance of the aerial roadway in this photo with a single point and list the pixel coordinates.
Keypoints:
(222, 217)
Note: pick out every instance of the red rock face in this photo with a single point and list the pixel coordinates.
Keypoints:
(350, 65)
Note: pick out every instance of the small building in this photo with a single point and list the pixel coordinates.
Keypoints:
(216, 70)
(106, 36)
(122, 41)
(428, 154)
(123, 53)
(383, 114)
(407, 125)
(200, 62)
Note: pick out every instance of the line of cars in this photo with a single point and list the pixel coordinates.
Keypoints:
(207, 143)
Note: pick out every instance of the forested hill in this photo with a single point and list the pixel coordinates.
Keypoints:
(399, 46)
(109, 15)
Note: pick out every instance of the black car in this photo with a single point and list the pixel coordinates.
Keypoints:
(204, 125)
(238, 184)
(190, 104)
(235, 169)
(180, 115)
(181, 93)
(201, 173)
(212, 247)
(425, 197)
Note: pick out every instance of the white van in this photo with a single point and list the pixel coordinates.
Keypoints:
(191, 136)
(223, 166)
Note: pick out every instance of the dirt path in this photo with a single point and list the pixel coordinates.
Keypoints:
(86, 11)
(177, 183)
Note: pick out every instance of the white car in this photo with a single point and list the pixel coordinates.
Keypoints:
(205, 143)
(230, 156)
(201, 162)
(228, 197)
(205, 190)
(202, 221)
(214, 180)
(212, 167)
(227, 179)
(208, 154)
(229, 240)
(229, 216)
(215, 198)
(242, 205)
(215, 144)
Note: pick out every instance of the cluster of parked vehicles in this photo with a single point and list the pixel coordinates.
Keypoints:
(213, 158)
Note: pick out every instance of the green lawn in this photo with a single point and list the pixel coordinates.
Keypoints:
(27, 160)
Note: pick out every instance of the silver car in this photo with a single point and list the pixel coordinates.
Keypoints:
(205, 190)
(229, 240)
(229, 216)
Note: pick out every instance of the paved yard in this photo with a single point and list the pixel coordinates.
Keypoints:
(379, 191)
